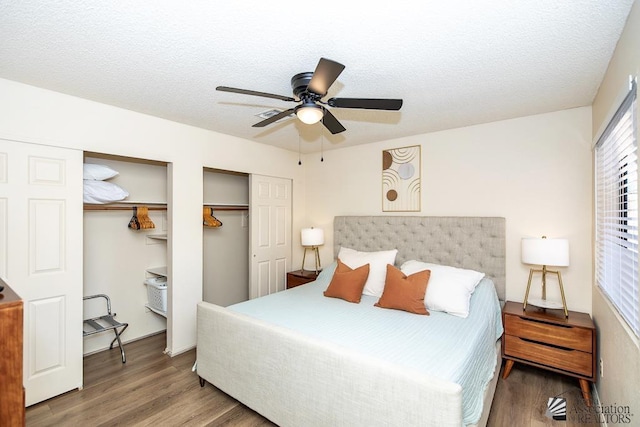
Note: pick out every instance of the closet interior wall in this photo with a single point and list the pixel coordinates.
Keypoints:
(116, 258)
(226, 248)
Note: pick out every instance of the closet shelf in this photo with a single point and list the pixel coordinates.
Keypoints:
(155, 310)
(158, 271)
(125, 205)
(157, 236)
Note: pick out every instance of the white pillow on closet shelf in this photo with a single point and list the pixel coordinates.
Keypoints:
(97, 172)
(449, 288)
(100, 192)
(377, 267)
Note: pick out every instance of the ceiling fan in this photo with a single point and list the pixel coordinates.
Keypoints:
(309, 88)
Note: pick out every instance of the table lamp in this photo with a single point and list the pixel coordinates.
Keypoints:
(311, 238)
(545, 252)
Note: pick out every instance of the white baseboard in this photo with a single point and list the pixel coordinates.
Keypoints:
(106, 347)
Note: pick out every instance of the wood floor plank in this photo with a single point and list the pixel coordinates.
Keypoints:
(105, 393)
(195, 409)
(99, 410)
(179, 403)
(241, 416)
(153, 389)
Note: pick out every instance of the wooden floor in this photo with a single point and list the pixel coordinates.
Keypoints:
(521, 399)
(152, 389)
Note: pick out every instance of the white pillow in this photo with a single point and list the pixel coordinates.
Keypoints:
(99, 192)
(377, 267)
(97, 172)
(449, 288)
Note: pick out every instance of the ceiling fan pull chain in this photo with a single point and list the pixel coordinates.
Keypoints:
(322, 143)
(299, 161)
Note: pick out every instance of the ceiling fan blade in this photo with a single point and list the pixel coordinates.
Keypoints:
(327, 71)
(272, 119)
(330, 122)
(366, 103)
(254, 93)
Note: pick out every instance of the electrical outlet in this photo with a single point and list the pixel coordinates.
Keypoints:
(601, 368)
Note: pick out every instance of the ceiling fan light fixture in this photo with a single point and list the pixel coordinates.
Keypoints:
(309, 113)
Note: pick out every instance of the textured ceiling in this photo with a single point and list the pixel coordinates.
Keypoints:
(455, 63)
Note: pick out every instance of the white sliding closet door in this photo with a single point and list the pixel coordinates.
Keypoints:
(270, 249)
(41, 258)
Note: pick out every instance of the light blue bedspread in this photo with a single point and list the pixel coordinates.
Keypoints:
(451, 348)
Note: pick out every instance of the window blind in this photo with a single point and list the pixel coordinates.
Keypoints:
(617, 212)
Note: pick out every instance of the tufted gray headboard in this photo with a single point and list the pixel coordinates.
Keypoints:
(476, 243)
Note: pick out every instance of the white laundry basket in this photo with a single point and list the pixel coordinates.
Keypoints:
(157, 293)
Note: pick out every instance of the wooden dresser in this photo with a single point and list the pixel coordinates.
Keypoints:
(548, 340)
(11, 388)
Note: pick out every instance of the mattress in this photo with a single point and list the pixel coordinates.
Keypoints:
(456, 350)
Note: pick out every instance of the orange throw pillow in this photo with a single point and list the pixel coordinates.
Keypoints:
(347, 283)
(404, 293)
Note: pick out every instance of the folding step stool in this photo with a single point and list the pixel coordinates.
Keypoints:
(105, 323)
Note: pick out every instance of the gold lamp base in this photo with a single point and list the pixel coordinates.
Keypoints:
(317, 256)
(543, 302)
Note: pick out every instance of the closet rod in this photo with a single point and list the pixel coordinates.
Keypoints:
(227, 207)
(121, 208)
(159, 207)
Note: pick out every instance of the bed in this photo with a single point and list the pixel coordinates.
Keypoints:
(293, 358)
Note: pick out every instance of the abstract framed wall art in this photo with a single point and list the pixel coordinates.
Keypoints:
(401, 168)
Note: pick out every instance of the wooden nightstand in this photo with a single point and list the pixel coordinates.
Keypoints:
(548, 340)
(300, 277)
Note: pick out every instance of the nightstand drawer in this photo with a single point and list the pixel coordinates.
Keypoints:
(300, 277)
(574, 361)
(558, 335)
(293, 281)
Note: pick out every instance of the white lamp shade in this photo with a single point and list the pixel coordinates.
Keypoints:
(309, 114)
(543, 251)
(312, 237)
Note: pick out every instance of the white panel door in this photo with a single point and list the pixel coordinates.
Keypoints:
(41, 258)
(270, 249)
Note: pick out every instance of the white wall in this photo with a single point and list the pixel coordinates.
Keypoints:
(34, 115)
(618, 347)
(534, 171)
